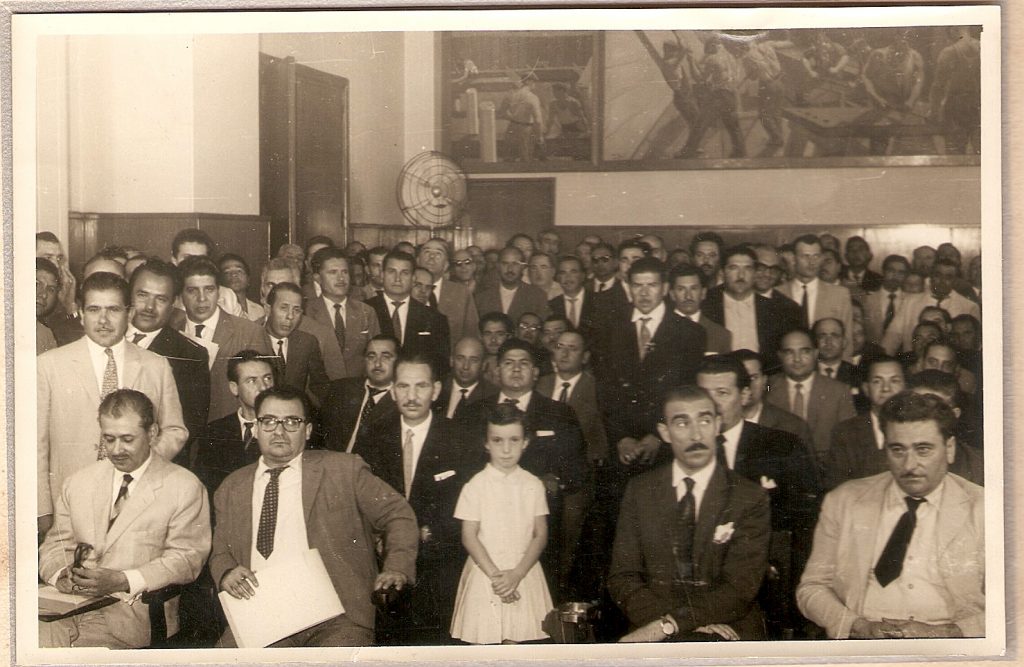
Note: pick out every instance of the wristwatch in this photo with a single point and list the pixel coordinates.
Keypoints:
(668, 625)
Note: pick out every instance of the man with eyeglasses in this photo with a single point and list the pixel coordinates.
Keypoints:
(511, 295)
(292, 500)
(71, 380)
(603, 266)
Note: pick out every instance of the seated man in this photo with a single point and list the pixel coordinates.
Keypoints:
(326, 500)
(146, 519)
(707, 570)
(902, 553)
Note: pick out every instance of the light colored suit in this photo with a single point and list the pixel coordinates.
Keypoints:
(163, 531)
(828, 403)
(899, 336)
(832, 301)
(68, 400)
(832, 590)
(458, 305)
(360, 326)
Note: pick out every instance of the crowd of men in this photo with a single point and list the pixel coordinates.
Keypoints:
(741, 442)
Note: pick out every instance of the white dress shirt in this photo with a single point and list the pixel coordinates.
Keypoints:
(876, 428)
(209, 326)
(656, 316)
(367, 396)
(419, 436)
(290, 528)
(146, 340)
(812, 296)
(99, 361)
(523, 401)
(506, 297)
(284, 346)
(731, 443)
(136, 582)
(559, 381)
(741, 321)
(403, 315)
(456, 398)
(805, 389)
(329, 304)
(701, 478)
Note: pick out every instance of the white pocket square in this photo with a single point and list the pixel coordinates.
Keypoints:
(441, 476)
(768, 483)
(423, 333)
(542, 434)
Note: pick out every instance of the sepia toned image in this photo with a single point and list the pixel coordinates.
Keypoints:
(548, 335)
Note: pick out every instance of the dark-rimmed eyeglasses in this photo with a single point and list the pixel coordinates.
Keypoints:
(291, 424)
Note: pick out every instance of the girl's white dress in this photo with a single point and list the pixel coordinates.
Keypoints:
(505, 506)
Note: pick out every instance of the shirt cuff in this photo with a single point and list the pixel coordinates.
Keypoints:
(136, 582)
(53, 580)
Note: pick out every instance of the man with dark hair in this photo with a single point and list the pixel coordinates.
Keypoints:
(47, 291)
(603, 265)
(943, 274)
(153, 288)
(965, 335)
(756, 410)
(297, 352)
(549, 241)
(234, 274)
(830, 341)
(575, 303)
(610, 303)
(327, 501)
(706, 251)
(510, 295)
(353, 403)
(831, 267)
(495, 328)
(71, 380)
(221, 333)
(687, 291)
(48, 247)
(193, 242)
(374, 272)
(968, 459)
(353, 322)
(901, 554)
(101, 263)
(857, 273)
(882, 305)
(149, 520)
(453, 300)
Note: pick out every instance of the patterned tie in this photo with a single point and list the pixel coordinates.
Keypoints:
(122, 496)
(268, 514)
(109, 374)
(890, 563)
(890, 311)
(199, 330)
(396, 320)
(457, 402)
(645, 337)
(280, 350)
(364, 415)
(137, 336)
(798, 401)
(686, 522)
(563, 397)
(339, 325)
(407, 462)
(572, 310)
(804, 306)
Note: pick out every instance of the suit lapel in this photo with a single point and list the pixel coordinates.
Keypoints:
(955, 514)
(225, 329)
(132, 365)
(715, 500)
(312, 473)
(241, 501)
(141, 498)
(102, 503)
(82, 364)
(866, 511)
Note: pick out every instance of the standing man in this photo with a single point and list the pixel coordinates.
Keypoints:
(817, 299)
(522, 109)
(901, 554)
(755, 409)
(511, 295)
(898, 337)
(454, 300)
(234, 274)
(221, 333)
(857, 273)
(881, 306)
(575, 304)
(611, 302)
(686, 288)
(706, 251)
(830, 339)
(297, 352)
(603, 267)
(154, 288)
(466, 386)
(326, 499)
(47, 288)
(72, 380)
(352, 404)
(691, 545)
(62, 314)
(541, 269)
(193, 242)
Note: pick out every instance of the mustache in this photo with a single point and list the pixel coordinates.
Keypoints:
(696, 447)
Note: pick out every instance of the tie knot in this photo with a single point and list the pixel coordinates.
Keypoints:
(565, 385)
(374, 390)
(408, 435)
(397, 304)
(892, 296)
(512, 401)
(645, 320)
(913, 503)
(137, 336)
(689, 482)
(276, 472)
(799, 386)
(248, 424)
(128, 479)
(337, 307)
(107, 351)
(464, 391)
(571, 299)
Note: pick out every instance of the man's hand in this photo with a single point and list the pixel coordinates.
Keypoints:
(645, 633)
(63, 583)
(649, 446)
(98, 581)
(43, 525)
(919, 630)
(239, 582)
(862, 628)
(389, 578)
(627, 450)
(721, 629)
(551, 483)
(68, 289)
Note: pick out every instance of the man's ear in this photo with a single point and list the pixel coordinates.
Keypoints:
(663, 431)
(950, 449)
(233, 388)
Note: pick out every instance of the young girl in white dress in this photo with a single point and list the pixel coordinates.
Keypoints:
(502, 596)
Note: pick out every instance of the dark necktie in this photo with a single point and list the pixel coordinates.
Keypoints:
(268, 514)
(280, 350)
(251, 453)
(396, 320)
(199, 330)
(644, 337)
(890, 563)
(137, 336)
(829, 371)
(368, 406)
(804, 307)
(457, 402)
(122, 496)
(564, 396)
(890, 311)
(514, 402)
(720, 451)
(686, 522)
(433, 300)
(339, 326)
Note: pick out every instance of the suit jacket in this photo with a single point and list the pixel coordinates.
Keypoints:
(232, 335)
(190, 365)
(609, 304)
(221, 451)
(345, 505)
(642, 580)
(163, 531)
(773, 321)
(426, 330)
(854, 452)
(67, 403)
(832, 301)
(832, 589)
(483, 391)
(784, 420)
(585, 311)
(827, 403)
(847, 373)
(340, 412)
(44, 338)
(459, 306)
(66, 329)
(898, 337)
(875, 304)
(869, 282)
(528, 299)
(305, 367)
(719, 338)
(583, 401)
(360, 326)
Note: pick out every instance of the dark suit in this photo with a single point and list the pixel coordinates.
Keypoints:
(854, 453)
(642, 580)
(869, 282)
(611, 302)
(190, 364)
(719, 338)
(66, 329)
(344, 506)
(222, 451)
(773, 321)
(583, 401)
(441, 470)
(528, 299)
(584, 312)
(458, 305)
(426, 330)
(482, 391)
(341, 407)
(304, 368)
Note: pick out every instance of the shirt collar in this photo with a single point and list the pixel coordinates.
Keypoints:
(117, 348)
(210, 324)
(456, 387)
(329, 302)
(656, 315)
(419, 431)
(896, 495)
(559, 381)
(146, 339)
(138, 472)
(701, 477)
(805, 384)
(295, 464)
(876, 428)
(524, 400)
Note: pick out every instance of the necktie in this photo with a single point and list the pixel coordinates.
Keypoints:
(251, 453)
(805, 307)
(720, 451)
(686, 522)
(137, 336)
(199, 330)
(339, 325)
(456, 402)
(280, 349)
(563, 397)
(571, 310)
(364, 415)
(829, 371)
(268, 514)
(432, 300)
(602, 286)
(798, 401)
(890, 563)
(109, 374)
(122, 496)
(396, 320)
(407, 462)
(645, 336)
(514, 402)
(890, 311)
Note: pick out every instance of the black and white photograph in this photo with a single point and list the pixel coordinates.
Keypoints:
(521, 334)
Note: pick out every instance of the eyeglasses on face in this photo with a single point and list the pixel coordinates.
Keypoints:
(291, 424)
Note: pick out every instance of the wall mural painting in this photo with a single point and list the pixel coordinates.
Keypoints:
(692, 99)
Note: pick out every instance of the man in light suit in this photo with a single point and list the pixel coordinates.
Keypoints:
(454, 300)
(328, 501)
(466, 386)
(147, 520)
(822, 299)
(511, 295)
(206, 322)
(358, 323)
(691, 548)
(424, 457)
(800, 389)
(72, 380)
(297, 352)
(686, 288)
(899, 336)
(877, 308)
(901, 554)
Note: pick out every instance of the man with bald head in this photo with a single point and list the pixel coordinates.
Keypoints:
(466, 386)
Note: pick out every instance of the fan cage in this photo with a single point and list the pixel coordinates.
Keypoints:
(431, 190)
